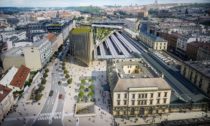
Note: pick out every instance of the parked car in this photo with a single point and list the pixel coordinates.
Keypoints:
(60, 96)
(51, 93)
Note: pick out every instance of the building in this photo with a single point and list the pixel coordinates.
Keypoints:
(198, 50)
(18, 81)
(13, 57)
(152, 40)
(7, 78)
(136, 89)
(81, 41)
(6, 101)
(171, 38)
(198, 72)
(184, 40)
(203, 53)
(37, 55)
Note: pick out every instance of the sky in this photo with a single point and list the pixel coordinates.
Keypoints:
(66, 3)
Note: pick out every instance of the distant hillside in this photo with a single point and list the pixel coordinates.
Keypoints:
(87, 9)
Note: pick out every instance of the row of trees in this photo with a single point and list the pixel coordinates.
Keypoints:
(66, 73)
(37, 94)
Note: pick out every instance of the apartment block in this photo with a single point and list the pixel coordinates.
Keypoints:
(37, 55)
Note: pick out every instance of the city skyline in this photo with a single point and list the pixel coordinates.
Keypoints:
(66, 3)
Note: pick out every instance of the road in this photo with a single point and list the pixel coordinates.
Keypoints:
(185, 89)
(52, 112)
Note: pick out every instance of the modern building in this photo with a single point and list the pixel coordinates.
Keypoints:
(152, 40)
(6, 101)
(81, 44)
(13, 57)
(37, 55)
(198, 72)
(136, 89)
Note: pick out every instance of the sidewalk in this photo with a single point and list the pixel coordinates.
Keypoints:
(158, 119)
(27, 110)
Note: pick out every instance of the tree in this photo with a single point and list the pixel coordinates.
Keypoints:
(90, 94)
(43, 81)
(83, 81)
(91, 87)
(46, 70)
(81, 95)
(45, 75)
(67, 76)
(69, 81)
(82, 87)
(65, 71)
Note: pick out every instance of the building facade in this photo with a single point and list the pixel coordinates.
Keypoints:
(136, 90)
(6, 101)
(81, 41)
(13, 57)
(37, 55)
(198, 73)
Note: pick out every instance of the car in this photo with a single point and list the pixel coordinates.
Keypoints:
(60, 96)
(51, 93)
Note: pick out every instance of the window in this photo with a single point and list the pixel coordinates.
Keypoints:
(145, 102)
(164, 100)
(125, 102)
(133, 96)
(118, 102)
(165, 94)
(158, 94)
(151, 95)
(150, 102)
(125, 95)
(142, 95)
(133, 102)
(158, 101)
(118, 96)
(139, 95)
(139, 102)
(145, 95)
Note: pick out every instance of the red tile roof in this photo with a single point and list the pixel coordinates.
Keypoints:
(20, 77)
(4, 91)
(51, 37)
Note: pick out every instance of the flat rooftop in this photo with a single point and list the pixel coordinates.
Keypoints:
(79, 30)
(202, 67)
(125, 84)
(142, 69)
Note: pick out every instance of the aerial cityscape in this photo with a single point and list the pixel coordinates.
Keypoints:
(104, 63)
